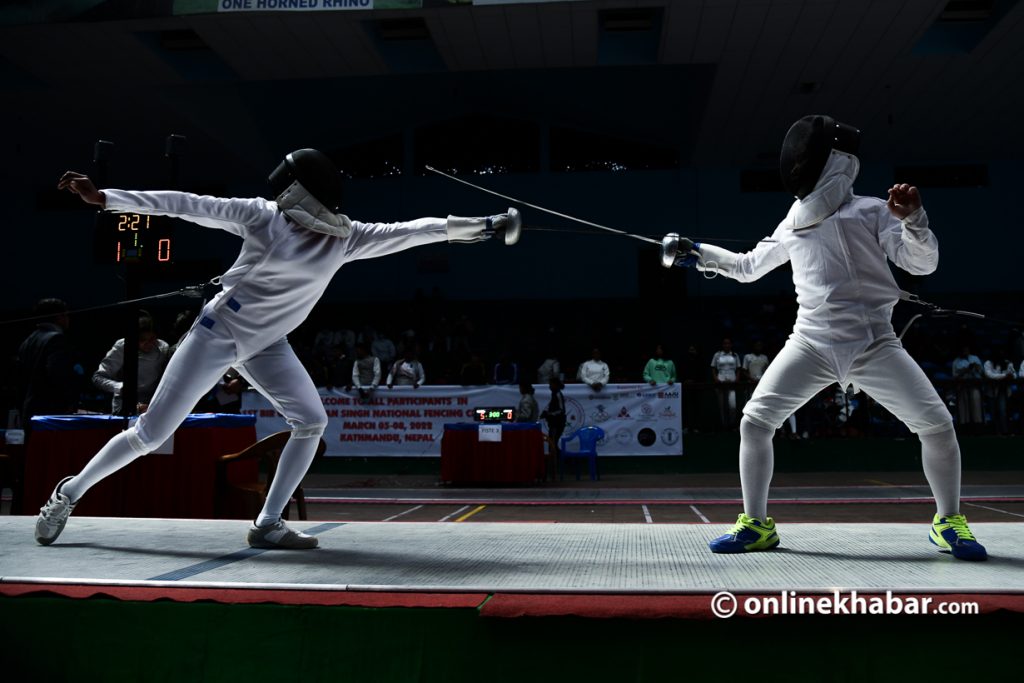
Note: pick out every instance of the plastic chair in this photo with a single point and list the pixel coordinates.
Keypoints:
(588, 438)
(246, 498)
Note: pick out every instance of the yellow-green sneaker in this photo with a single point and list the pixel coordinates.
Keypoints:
(747, 535)
(951, 534)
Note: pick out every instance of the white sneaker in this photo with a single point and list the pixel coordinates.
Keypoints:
(54, 515)
(280, 536)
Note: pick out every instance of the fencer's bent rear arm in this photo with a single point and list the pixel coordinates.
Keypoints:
(909, 243)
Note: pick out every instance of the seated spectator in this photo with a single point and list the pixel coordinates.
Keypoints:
(658, 369)
(365, 373)
(505, 371)
(527, 410)
(406, 371)
(594, 372)
(473, 372)
(153, 354)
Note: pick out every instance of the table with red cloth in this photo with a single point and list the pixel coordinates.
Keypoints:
(517, 459)
(177, 485)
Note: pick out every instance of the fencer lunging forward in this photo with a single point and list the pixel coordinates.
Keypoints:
(838, 243)
(291, 248)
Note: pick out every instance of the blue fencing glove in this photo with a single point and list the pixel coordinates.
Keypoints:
(690, 259)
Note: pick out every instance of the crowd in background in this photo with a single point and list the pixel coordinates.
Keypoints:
(716, 353)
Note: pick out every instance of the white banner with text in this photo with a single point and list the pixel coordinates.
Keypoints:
(637, 419)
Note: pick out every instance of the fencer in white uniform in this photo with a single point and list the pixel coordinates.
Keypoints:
(291, 249)
(837, 244)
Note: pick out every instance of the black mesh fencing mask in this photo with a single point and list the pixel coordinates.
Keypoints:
(315, 171)
(806, 149)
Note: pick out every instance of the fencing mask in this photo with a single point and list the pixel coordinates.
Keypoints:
(308, 189)
(806, 150)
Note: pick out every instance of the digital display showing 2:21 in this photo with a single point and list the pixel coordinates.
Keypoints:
(134, 238)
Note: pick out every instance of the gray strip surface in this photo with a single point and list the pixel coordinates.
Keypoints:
(494, 557)
(216, 563)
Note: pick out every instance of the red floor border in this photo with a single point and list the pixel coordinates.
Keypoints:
(498, 605)
(247, 595)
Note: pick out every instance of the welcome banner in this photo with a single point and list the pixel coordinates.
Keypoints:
(637, 419)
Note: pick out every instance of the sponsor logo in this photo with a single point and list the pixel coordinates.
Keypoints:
(646, 437)
(670, 436)
(600, 415)
(623, 437)
(624, 414)
(575, 416)
(668, 412)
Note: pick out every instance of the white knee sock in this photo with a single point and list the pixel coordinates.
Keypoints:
(757, 461)
(112, 457)
(296, 457)
(940, 456)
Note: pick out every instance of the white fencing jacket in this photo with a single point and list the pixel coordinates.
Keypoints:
(283, 268)
(838, 243)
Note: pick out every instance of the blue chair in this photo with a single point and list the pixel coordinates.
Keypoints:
(588, 438)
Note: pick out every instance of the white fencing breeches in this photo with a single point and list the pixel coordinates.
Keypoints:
(885, 371)
(888, 374)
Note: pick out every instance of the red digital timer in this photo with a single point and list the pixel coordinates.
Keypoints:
(134, 238)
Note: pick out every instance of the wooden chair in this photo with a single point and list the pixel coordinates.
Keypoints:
(244, 499)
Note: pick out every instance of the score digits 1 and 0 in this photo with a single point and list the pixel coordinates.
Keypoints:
(129, 222)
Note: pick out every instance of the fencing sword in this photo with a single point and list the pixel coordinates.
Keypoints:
(669, 247)
(190, 291)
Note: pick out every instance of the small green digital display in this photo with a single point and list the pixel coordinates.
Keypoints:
(494, 414)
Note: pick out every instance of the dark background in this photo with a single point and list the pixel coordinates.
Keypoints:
(649, 117)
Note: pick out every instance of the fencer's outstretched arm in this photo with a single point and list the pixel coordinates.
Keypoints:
(369, 240)
(233, 215)
(745, 267)
(904, 234)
